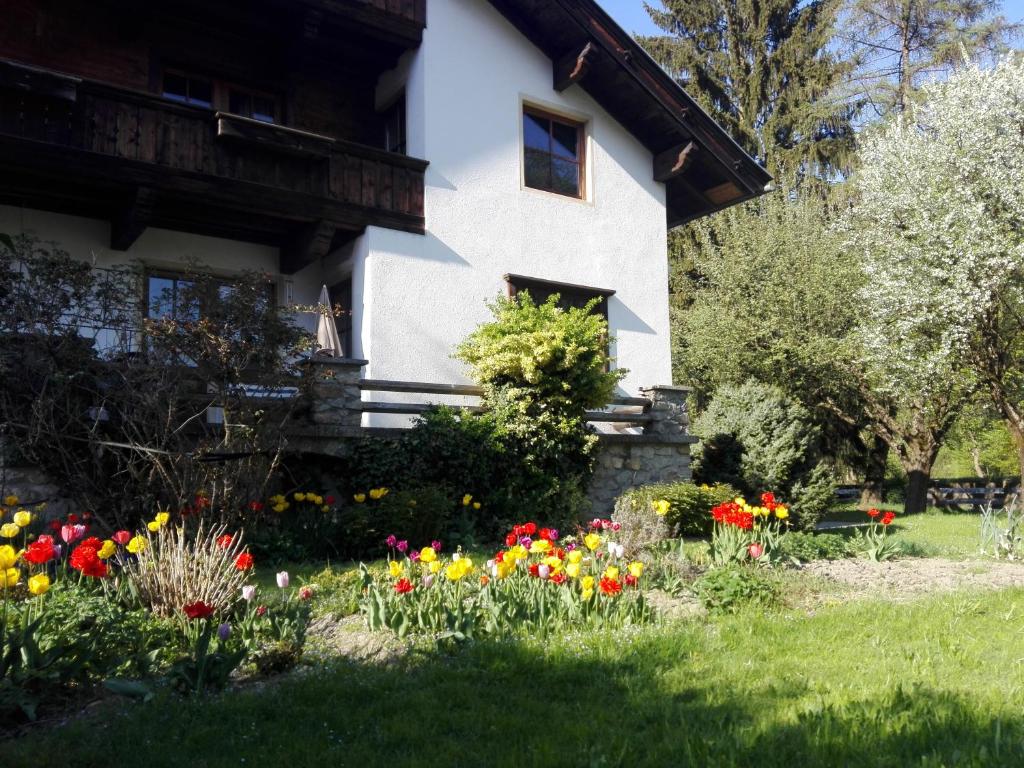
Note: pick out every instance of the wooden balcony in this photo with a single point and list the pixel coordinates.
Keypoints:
(138, 160)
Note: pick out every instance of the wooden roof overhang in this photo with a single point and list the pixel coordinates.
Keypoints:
(703, 168)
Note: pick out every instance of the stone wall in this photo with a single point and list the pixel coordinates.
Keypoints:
(661, 454)
(33, 487)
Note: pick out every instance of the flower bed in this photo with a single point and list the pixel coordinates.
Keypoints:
(175, 593)
(539, 583)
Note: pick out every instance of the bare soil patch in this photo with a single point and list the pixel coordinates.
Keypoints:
(912, 577)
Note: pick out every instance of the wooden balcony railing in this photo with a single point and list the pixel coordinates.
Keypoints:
(80, 144)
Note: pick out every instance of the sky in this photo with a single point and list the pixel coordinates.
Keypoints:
(632, 17)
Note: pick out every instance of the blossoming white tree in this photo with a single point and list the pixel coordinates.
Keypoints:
(940, 223)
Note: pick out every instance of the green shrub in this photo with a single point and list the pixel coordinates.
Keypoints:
(541, 353)
(689, 512)
(807, 547)
(781, 449)
(418, 515)
(730, 588)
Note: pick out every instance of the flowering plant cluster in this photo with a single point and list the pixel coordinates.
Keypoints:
(874, 542)
(538, 582)
(745, 532)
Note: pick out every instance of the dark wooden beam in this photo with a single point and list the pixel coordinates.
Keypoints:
(132, 220)
(309, 243)
(673, 162)
(572, 67)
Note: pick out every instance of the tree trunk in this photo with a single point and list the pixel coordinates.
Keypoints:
(1016, 427)
(918, 465)
(872, 493)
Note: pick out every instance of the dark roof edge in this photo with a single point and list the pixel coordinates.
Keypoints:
(751, 174)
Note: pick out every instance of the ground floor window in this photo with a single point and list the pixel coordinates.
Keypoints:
(569, 294)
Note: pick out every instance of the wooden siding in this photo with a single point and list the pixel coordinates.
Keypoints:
(196, 160)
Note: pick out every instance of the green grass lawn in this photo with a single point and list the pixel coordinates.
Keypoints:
(870, 682)
(935, 533)
(938, 682)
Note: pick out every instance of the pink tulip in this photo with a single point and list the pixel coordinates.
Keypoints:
(282, 579)
(248, 592)
(755, 550)
(72, 533)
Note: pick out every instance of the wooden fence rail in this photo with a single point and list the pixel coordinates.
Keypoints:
(617, 416)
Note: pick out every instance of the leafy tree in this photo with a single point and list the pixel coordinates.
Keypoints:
(940, 221)
(895, 45)
(773, 296)
(764, 70)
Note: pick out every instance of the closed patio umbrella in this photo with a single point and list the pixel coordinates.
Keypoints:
(328, 342)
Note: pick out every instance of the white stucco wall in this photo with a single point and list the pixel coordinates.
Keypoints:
(465, 88)
(89, 240)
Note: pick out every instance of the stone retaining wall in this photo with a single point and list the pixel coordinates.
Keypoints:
(660, 454)
(33, 487)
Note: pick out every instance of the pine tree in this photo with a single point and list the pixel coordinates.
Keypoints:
(896, 45)
(765, 71)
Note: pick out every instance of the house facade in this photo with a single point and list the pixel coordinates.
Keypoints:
(419, 158)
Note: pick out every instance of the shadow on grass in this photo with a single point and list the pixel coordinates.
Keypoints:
(509, 704)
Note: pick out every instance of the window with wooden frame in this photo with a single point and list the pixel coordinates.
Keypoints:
(201, 91)
(569, 294)
(553, 153)
(394, 126)
(174, 295)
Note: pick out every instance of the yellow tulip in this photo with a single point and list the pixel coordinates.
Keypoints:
(611, 572)
(459, 569)
(359, 497)
(435, 566)
(518, 552)
(11, 500)
(10, 577)
(325, 509)
(575, 556)
(107, 550)
(281, 507)
(395, 568)
(505, 568)
(300, 496)
(740, 501)
(378, 493)
(153, 526)
(318, 500)
(161, 518)
(586, 594)
(22, 518)
(428, 555)
(553, 563)
(540, 546)
(572, 570)
(781, 512)
(137, 544)
(8, 557)
(587, 583)
(636, 569)
(466, 500)
(476, 505)
(661, 507)
(9, 530)
(592, 540)
(39, 584)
